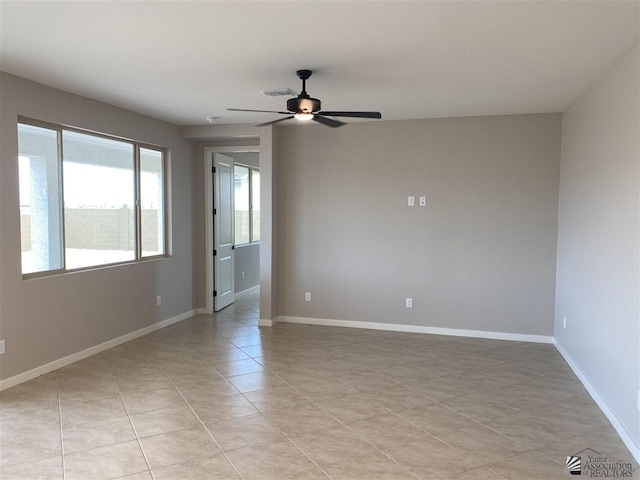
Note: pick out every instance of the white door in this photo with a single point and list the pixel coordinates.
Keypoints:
(223, 231)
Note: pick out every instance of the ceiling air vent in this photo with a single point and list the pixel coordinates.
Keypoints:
(279, 92)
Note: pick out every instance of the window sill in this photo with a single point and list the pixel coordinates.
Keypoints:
(62, 272)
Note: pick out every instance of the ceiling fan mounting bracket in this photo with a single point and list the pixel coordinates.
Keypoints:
(304, 74)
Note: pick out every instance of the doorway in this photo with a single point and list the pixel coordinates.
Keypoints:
(232, 203)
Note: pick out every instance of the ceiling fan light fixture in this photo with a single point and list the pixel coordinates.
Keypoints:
(303, 116)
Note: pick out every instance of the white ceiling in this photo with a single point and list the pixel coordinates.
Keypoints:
(182, 61)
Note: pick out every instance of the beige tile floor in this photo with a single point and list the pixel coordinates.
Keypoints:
(216, 397)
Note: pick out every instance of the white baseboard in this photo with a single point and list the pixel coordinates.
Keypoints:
(268, 322)
(63, 362)
(633, 447)
(393, 327)
(201, 311)
(248, 290)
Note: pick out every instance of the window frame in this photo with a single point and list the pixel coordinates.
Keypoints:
(251, 240)
(166, 214)
(165, 200)
(252, 170)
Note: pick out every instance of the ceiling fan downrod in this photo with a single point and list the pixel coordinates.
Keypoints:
(304, 75)
(303, 104)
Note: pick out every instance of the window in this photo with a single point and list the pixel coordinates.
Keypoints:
(40, 212)
(87, 200)
(241, 203)
(98, 200)
(152, 202)
(255, 205)
(246, 204)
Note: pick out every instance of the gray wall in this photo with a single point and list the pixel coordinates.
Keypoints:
(247, 260)
(481, 255)
(597, 273)
(49, 318)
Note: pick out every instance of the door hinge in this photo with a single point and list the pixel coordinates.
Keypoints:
(214, 211)
(214, 253)
(215, 293)
(213, 169)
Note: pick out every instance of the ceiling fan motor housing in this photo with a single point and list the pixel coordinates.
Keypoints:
(303, 104)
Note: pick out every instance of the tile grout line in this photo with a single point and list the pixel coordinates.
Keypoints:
(530, 449)
(463, 415)
(399, 416)
(206, 428)
(346, 425)
(135, 432)
(198, 416)
(64, 468)
(286, 437)
(339, 421)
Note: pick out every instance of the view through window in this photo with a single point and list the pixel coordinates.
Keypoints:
(246, 204)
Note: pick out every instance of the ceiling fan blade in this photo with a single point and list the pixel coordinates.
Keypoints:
(352, 114)
(328, 121)
(261, 111)
(274, 121)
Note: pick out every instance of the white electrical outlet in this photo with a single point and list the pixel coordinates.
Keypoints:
(307, 297)
(2, 348)
(408, 302)
(423, 201)
(242, 275)
(158, 300)
(411, 201)
(564, 322)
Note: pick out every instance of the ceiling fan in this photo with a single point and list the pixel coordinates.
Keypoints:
(303, 107)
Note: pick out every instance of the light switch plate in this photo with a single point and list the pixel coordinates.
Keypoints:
(423, 201)
(411, 201)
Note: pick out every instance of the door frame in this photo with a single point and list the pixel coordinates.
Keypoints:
(208, 208)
